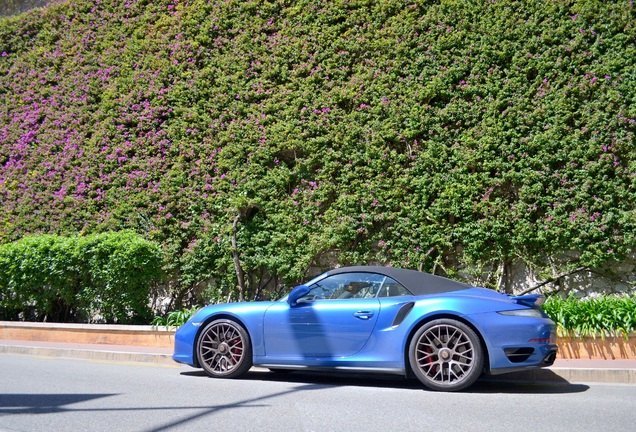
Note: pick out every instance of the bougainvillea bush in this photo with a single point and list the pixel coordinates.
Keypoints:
(257, 140)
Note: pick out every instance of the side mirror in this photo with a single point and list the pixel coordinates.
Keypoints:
(297, 293)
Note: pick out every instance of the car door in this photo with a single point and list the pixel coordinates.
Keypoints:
(335, 319)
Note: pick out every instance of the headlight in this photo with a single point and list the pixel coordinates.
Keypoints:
(531, 312)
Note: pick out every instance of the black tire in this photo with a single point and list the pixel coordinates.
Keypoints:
(446, 355)
(224, 349)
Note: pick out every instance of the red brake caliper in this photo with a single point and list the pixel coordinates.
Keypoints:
(429, 360)
(235, 350)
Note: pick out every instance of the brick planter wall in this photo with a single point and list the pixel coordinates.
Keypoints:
(88, 333)
(610, 348)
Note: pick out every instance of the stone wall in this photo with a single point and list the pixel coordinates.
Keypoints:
(15, 7)
(618, 278)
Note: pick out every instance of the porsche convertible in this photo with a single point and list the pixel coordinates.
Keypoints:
(374, 319)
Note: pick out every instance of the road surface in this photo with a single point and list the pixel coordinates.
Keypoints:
(46, 394)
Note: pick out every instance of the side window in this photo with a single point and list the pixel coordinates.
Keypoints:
(391, 288)
(355, 286)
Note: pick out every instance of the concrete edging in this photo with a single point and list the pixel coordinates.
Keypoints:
(574, 375)
(88, 354)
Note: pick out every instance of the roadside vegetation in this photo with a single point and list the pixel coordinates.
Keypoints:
(175, 319)
(594, 317)
(259, 141)
(103, 277)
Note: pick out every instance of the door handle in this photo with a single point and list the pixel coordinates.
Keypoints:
(363, 315)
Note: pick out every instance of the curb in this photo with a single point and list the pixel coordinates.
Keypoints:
(90, 354)
(577, 375)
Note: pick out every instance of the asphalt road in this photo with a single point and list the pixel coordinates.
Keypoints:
(45, 394)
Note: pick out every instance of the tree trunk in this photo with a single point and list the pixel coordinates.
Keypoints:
(240, 275)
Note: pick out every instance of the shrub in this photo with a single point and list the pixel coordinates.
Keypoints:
(39, 277)
(103, 276)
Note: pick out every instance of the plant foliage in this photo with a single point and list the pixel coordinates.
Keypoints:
(437, 135)
(60, 279)
(601, 316)
(175, 319)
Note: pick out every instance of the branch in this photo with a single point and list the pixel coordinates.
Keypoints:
(553, 279)
(502, 273)
(430, 251)
(235, 256)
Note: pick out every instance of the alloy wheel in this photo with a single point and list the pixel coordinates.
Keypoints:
(224, 349)
(446, 355)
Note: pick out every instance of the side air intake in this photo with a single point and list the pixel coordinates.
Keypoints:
(402, 313)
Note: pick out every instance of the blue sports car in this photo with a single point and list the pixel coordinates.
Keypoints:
(374, 319)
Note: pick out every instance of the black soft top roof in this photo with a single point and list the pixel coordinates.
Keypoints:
(419, 283)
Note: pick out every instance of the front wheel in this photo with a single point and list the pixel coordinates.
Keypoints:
(224, 349)
(446, 355)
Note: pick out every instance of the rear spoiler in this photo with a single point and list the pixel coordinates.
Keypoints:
(530, 300)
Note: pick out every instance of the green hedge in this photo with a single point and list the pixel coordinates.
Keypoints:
(64, 279)
(600, 316)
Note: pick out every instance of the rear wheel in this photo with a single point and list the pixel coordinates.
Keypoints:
(224, 349)
(446, 355)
